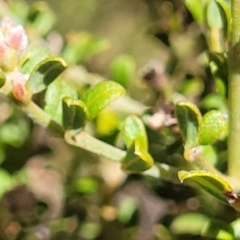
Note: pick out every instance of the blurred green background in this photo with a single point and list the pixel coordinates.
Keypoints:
(125, 24)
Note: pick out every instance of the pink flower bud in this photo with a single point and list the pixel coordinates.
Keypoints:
(19, 89)
(13, 41)
(17, 39)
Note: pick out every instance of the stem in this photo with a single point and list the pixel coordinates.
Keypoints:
(214, 40)
(85, 141)
(41, 118)
(233, 59)
(235, 31)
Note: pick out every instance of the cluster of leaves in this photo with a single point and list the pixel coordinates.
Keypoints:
(141, 134)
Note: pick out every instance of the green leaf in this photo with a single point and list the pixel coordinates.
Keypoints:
(56, 91)
(236, 228)
(200, 155)
(122, 69)
(196, 8)
(132, 129)
(40, 18)
(226, 7)
(201, 225)
(107, 122)
(214, 17)
(189, 119)
(220, 61)
(126, 209)
(74, 114)
(135, 138)
(219, 230)
(180, 224)
(219, 69)
(209, 154)
(101, 95)
(213, 124)
(137, 159)
(210, 182)
(214, 101)
(44, 73)
(34, 55)
(162, 232)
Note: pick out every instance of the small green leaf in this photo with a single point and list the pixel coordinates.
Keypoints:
(107, 122)
(226, 7)
(134, 134)
(214, 18)
(34, 55)
(214, 101)
(132, 129)
(122, 69)
(209, 154)
(56, 91)
(196, 8)
(219, 69)
(213, 124)
(126, 209)
(236, 228)
(137, 159)
(201, 154)
(44, 73)
(220, 62)
(210, 182)
(180, 224)
(201, 225)
(101, 95)
(189, 119)
(74, 115)
(219, 230)
(40, 18)
(221, 86)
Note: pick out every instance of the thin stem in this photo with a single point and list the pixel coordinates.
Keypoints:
(214, 40)
(85, 141)
(41, 118)
(235, 31)
(234, 93)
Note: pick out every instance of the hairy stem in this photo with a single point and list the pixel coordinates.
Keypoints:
(85, 141)
(41, 118)
(234, 93)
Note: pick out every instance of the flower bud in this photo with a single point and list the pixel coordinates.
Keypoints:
(17, 39)
(19, 89)
(13, 41)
